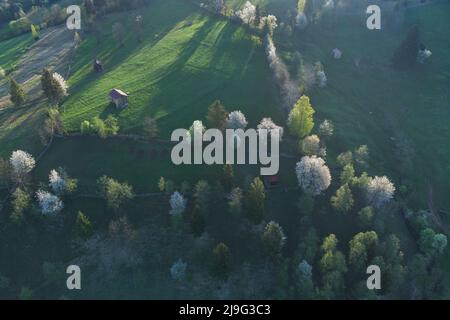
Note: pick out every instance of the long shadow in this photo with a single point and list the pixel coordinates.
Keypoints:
(112, 58)
(172, 71)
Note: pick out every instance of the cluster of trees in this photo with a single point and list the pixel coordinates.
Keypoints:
(100, 127)
(16, 174)
(249, 15)
(243, 202)
(17, 15)
(54, 87)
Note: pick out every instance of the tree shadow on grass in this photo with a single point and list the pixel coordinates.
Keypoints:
(194, 84)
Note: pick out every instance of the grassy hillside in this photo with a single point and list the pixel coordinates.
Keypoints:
(174, 74)
(10, 50)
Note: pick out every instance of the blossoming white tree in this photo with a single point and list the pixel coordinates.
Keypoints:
(22, 163)
(321, 79)
(380, 191)
(326, 129)
(236, 120)
(56, 182)
(269, 125)
(49, 203)
(197, 127)
(270, 22)
(177, 203)
(313, 175)
(248, 13)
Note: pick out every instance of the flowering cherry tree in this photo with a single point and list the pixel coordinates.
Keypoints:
(49, 203)
(177, 203)
(313, 175)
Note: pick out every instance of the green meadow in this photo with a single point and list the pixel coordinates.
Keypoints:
(185, 62)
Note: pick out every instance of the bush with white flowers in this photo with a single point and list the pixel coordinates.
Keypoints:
(56, 182)
(326, 129)
(248, 13)
(313, 175)
(270, 21)
(380, 191)
(177, 203)
(22, 162)
(49, 203)
(270, 126)
(236, 120)
(197, 128)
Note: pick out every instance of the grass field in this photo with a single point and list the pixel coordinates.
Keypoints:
(11, 50)
(174, 74)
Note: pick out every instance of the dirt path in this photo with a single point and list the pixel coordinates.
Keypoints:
(54, 49)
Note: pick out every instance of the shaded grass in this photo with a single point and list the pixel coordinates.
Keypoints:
(11, 50)
(401, 116)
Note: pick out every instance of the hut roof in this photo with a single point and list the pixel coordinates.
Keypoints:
(116, 94)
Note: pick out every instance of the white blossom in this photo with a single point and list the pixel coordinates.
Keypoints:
(62, 82)
(329, 4)
(177, 203)
(313, 175)
(270, 21)
(197, 127)
(248, 13)
(423, 55)
(289, 89)
(380, 191)
(56, 182)
(49, 203)
(236, 120)
(322, 78)
(326, 128)
(269, 125)
(22, 162)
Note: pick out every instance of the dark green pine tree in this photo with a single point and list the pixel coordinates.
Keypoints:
(406, 54)
(18, 96)
(51, 87)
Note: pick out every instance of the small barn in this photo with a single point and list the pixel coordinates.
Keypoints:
(119, 98)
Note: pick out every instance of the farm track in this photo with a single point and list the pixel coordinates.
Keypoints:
(54, 50)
